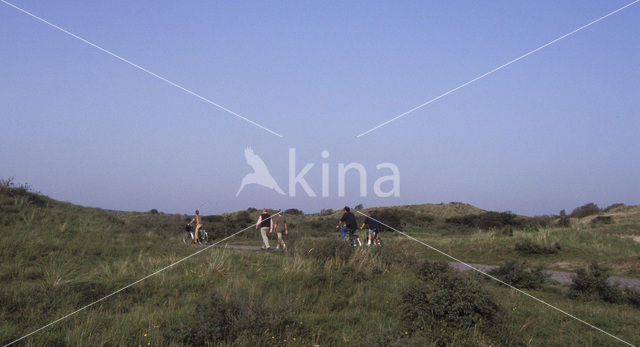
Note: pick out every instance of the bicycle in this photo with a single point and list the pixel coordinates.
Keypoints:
(354, 239)
(189, 234)
(376, 240)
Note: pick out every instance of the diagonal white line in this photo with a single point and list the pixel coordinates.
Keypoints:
(143, 69)
(496, 69)
(498, 280)
(129, 285)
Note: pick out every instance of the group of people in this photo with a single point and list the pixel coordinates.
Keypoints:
(347, 225)
(267, 224)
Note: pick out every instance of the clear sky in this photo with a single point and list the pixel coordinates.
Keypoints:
(553, 131)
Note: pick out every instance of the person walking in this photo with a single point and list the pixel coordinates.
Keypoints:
(280, 227)
(198, 221)
(265, 224)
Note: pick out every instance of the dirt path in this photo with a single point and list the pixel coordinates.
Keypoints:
(562, 277)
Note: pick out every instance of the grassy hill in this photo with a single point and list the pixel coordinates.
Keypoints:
(56, 257)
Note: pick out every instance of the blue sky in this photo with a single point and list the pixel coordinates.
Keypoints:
(552, 131)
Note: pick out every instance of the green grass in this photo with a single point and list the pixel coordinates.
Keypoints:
(56, 257)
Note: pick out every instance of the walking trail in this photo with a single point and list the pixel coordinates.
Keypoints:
(559, 276)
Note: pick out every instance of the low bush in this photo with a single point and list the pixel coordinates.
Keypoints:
(632, 297)
(395, 217)
(612, 206)
(592, 283)
(293, 212)
(217, 321)
(517, 275)
(542, 221)
(487, 220)
(389, 255)
(528, 247)
(333, 248)
(585, 210)
(432, 270)
(601, 220)
(507, 231)
(445, 302)
(210, 322)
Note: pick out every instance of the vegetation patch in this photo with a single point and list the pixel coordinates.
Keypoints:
(592, 283)
(529, 247)
(517, 275)
(444, 302)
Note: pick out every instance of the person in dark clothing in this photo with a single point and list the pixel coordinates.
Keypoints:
(374, 228)
(350, 225)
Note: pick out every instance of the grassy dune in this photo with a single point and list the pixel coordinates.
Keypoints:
(57, 257)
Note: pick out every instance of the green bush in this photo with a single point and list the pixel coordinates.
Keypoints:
(528, 247)
(395, 217)
(592, 283)
(487, 220)
(601, 220)
(432, 270)
(294, 212)
(217, 321)
(585, 210)
(390, 255)
(333, 248)
(445, 302)
(210, 322)
(519, 276)
(632, 297)
(612, 206)
(507, 231)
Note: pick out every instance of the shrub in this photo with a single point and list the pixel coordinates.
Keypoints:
(217, 321)
(326, 211)
(432, 270)
(153, 211)
(541, 221)
(507, 231)
(390, 255)
(487, 220)
(333, 248)
(528, 247)
(530, 228)
(602, 220)
(592, 283)
(294, 212)
(564, 221)
(358, 207)
(445, 302)
(632, 297)
(211, 322)
(394, 217)
(612, 206)
(585, 210)
(518, 276)
(243, 217)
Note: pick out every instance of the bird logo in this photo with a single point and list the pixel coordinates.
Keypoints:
(260, 174)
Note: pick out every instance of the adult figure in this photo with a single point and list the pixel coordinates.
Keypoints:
(265, 224)
(280, 227)
(198, 221)
(350, 224)
(374, 227)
